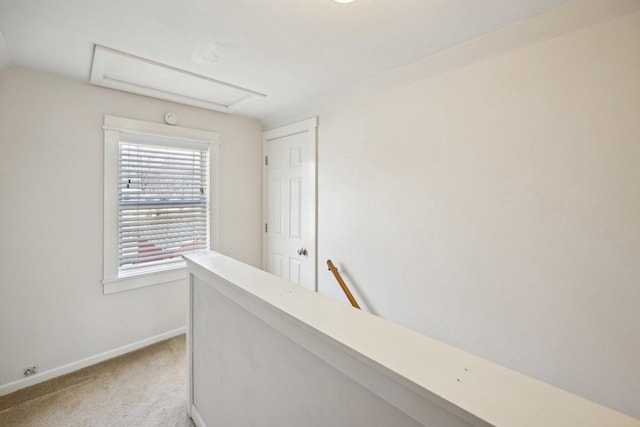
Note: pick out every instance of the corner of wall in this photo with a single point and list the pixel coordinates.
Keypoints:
(5, 56)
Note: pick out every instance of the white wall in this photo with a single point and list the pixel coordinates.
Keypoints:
(5, 57)
(247, 373)
(52, 309)
(262, 348)
(496, 207)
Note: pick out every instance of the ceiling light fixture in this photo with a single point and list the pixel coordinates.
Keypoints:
(343, 1)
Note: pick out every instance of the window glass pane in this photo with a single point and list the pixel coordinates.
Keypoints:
(163, 205)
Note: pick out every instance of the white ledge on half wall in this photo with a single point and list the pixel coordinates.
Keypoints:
(429, 382)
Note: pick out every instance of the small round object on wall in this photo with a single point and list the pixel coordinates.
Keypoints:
(171, 118)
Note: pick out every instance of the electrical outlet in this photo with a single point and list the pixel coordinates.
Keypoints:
(30, 370)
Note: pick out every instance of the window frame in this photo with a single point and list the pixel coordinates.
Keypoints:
(112, 127)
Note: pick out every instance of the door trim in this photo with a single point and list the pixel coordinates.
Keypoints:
(310, 126)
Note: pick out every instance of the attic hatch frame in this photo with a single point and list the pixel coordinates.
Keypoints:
(102, 57)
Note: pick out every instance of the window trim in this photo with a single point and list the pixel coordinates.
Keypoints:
(112, 128)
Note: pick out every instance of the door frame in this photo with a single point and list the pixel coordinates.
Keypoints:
(310, 126)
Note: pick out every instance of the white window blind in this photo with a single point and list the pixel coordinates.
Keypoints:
(163, 202)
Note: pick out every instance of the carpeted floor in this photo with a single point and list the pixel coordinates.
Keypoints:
(143, 388)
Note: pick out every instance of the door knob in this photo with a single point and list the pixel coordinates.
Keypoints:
(302, 251)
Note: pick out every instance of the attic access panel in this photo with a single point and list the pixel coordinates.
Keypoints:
(129, 73)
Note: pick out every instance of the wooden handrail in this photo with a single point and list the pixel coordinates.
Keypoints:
(343, 285)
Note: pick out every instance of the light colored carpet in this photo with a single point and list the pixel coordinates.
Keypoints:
(143, 388)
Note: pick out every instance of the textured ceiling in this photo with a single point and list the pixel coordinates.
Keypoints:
(292, 50)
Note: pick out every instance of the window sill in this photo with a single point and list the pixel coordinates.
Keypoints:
(112, 286)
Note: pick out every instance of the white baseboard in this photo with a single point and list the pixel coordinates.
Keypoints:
(197, 419)
(83, 363)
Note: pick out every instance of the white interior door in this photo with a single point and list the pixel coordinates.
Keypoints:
(289, 203)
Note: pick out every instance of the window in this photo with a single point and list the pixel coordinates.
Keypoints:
(159, 200)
